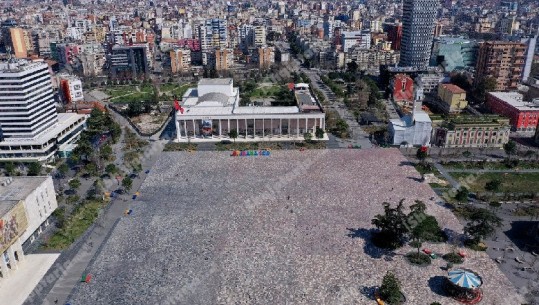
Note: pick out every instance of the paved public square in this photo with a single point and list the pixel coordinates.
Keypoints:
(291, 228)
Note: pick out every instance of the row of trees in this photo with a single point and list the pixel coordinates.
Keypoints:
(32, 168)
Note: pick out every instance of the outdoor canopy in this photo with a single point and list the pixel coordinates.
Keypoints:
(464, 278)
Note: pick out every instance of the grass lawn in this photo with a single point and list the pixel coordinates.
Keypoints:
(80, 221)
(266, 91)
(511, 182)
(179, 91)
(134, 97)
(120, 90)
(127, 94)
(180, 147)
(490, 165)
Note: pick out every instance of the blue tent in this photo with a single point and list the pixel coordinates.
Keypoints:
(464, 278)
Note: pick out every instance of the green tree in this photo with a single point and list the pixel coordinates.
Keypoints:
(485, 86)
(352, 66)
(493, 185)
(510, 148)
(105, 152)
(59, 215)
(34, 169)
(84, 148)
(110, 168)
(72, 199)
(462, 194)
(134, 109)
(63, 169)
(422, 154)
(74, 184)
(461, 81)
(9, 167)
(307, 137)
(391, 224)
(423, 227)
(482, 223)
(319, 133)
(390, 290)
(374, 91)
(91, 169)
(341, 127)
(127, 183)
(233, 134)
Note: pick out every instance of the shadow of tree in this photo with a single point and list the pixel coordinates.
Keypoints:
(415, 179)
(368, 291)
(406, 163)
(369, 248)
(454, 237)
(436, 285)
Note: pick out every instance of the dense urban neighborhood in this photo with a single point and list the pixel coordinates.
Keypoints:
(277, 152)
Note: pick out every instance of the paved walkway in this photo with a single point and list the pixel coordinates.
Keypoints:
(454, 183)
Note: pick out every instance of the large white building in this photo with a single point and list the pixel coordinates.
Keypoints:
(30, 128)
(212, 110)
(26, 203)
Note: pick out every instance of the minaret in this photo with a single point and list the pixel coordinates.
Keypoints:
(418, 99)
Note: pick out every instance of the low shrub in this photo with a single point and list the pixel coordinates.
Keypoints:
(453, 258)
(420, 259)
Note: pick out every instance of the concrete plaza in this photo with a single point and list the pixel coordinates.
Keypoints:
(22, 281)
(291, 228)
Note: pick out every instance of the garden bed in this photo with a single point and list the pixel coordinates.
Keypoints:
(418, 259)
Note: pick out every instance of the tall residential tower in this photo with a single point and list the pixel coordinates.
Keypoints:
(419, 21)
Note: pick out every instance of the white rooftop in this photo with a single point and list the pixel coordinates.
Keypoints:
(64, 121)
(19, 65)
(16, 189)
(516, 100)
(215, 81)
(408, 121)
(266, 110)
(219, 97)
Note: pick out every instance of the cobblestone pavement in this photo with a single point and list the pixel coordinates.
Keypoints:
(286, 229)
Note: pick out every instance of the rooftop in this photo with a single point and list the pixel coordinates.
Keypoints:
(19, 65)
(18, 189)
(453, 88)
(64, 121)
(215, 81)
(516, 100)
(225, 233)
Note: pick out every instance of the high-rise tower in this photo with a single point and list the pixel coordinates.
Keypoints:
(419, 21)
(26, 100)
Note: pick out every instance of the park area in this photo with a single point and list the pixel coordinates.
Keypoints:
(509, 182)
(145, 92)
(295, 227)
